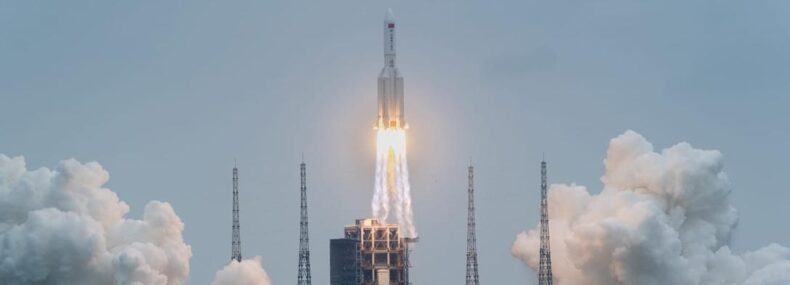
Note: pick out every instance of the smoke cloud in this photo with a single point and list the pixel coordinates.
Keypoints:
(246, 272)
(62, 227)
(661, 218)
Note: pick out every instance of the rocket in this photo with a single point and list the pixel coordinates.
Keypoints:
(390, 99)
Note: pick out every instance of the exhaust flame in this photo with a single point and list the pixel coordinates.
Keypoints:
(392, 179)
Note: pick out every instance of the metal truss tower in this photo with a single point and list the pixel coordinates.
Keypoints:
(472, 276)
(545, 276)
(304, 240)
(236, 240)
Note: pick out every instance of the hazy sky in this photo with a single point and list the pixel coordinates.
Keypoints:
(165, 94)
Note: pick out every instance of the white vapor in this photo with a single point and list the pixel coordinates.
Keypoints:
(382, 192)
(62, 227)
(405, 216)
(661, 218)
(246, 272)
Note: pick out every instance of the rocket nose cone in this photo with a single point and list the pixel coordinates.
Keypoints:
(390, 18)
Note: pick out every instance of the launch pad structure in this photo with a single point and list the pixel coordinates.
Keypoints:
(371, 253)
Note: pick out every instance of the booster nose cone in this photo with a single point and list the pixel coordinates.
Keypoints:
(390, 18)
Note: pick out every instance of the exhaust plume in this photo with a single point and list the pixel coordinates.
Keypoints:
(661, 218)
(392, 179)
(62, 227)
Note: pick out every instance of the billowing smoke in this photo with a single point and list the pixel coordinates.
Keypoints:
(246, 272)
(392, 179)
(661, 218)
(62, 227)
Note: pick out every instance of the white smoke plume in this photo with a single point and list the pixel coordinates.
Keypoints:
(246, 272)
(382, 190)
(405, 216)
(661, 218)
(62, 227)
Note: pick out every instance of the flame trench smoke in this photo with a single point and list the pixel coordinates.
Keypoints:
(392, 179)
(62, 226)
(246, 272)
(662, 218)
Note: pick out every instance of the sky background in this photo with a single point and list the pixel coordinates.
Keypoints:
(165, 94)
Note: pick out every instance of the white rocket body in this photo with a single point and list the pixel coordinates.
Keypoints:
(391, 113)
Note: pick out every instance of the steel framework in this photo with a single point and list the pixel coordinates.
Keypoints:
(381, 247)
(472, 276)
(304, 240)
(235, 252)
(545, 276)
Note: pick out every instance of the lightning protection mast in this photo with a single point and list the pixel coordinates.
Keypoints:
(304, 240)
(472, 276)
(545, 276)
(235, 253)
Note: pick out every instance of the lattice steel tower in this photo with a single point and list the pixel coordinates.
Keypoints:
(472, 276)
(304, 240)
(235, 251)
(545, 276)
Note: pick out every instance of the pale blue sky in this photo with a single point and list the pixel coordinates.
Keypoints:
(165, 94)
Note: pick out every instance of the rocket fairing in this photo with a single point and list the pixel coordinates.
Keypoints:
(390, 99)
